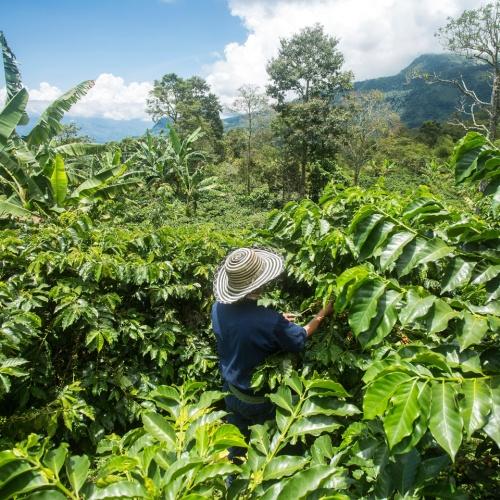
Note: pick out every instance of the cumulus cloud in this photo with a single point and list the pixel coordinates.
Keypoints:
(377, 37)
(110, 97)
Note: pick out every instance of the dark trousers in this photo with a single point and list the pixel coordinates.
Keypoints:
(243, 415)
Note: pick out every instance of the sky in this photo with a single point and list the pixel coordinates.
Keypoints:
(124, 45)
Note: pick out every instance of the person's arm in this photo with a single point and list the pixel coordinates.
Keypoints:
(291, 336)
(312, 326)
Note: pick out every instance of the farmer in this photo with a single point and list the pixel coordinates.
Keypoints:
(248, 333)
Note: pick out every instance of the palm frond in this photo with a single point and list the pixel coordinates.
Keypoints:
(12, 207)
(12, 75)
(76, 149)
(49, 123)
(11, 115)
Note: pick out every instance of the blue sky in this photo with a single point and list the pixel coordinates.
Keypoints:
(66, 41)
(126, 44)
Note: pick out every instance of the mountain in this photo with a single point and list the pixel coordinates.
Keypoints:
(106, 129)
(229, 122)
(100, 130)
(417, 101)
(234, 121)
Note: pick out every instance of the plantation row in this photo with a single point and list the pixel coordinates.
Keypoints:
(109, 374)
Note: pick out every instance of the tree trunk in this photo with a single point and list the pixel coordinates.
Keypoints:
(357, 172)
(303, 164)
(302, 179)
(283, 180)
(495, 106)
(249, 151)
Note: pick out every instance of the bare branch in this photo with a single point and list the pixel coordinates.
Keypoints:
(459, 84)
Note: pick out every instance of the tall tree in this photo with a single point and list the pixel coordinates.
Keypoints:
(476, 34)
(306, 77)
(188, 104)
(368, 118)
(308, 65)
(251, 103)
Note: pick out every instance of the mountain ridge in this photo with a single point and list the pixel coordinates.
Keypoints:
(416, 100)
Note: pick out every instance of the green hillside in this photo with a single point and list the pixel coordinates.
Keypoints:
(417, 101)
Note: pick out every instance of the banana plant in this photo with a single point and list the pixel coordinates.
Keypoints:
(32, 172)
(51, 190)
(12, 76)
(152, 157)
(187, 167)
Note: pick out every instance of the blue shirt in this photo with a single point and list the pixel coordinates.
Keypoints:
(247, 334)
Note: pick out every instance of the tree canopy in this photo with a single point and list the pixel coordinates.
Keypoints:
(308, 65)
(188, 104)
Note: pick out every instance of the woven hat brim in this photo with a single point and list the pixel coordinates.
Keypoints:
(273, 266)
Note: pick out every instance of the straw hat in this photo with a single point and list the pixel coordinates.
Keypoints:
(245, 270)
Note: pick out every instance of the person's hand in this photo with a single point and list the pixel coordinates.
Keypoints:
(328, 309)
(289, 316)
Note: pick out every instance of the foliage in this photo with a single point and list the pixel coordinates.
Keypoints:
(416, 331)
(188, 104)
(171, 455)
(307, 73)
(108, 367)
(187, 169)
(368, 119)
(33, 175)
(252, 104)
(308, 66)
(476, 160)
(309, 132)
(93, 317)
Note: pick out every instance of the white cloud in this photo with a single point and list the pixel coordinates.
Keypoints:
(110, 97)
(377, 37)
(45, 92)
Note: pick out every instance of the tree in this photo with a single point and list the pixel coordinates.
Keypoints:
(251, 103)
(309, 132)
(188, 104)
(476, 34)
(368, 118)
(71, 133)
(308, 65)
(429, 132)
(308, 71)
